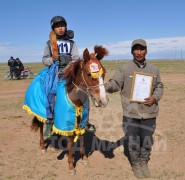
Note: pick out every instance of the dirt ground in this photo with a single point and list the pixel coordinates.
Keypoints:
(20, 156)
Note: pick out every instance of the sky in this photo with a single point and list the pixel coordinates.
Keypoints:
(25, 26)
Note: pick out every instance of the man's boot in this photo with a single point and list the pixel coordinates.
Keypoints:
(144, 158)
(136, 166)
(137, 170)
(134, 152)
(48, 130)
(145, 169)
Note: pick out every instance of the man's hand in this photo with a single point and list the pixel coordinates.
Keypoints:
(149, 101)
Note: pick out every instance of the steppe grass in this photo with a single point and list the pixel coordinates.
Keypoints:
(165, 66)
(173, 97)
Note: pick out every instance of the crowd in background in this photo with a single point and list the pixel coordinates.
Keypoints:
(16, 66)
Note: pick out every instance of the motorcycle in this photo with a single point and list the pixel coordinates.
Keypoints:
(25, 74)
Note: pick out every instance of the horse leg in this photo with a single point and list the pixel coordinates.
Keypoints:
(42, 147)
(82, 151)
(70, 145)
(35, 126)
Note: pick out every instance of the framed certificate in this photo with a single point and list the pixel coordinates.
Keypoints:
(141, 86)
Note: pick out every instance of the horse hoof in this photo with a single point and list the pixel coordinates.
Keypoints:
(72, 172)
(85, 163)
(52, 149)
(43, 151)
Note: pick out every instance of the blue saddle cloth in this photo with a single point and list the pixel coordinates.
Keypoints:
(44, 83)
(35, 98)
(66, 113)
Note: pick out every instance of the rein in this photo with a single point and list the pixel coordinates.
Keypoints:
(87, 92)
(88, 87)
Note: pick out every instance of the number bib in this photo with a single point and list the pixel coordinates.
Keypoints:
(64, 47)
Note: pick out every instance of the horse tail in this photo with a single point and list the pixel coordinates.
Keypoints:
(36, 124)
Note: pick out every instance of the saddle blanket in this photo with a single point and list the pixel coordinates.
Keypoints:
(68, 118)
(35, 98)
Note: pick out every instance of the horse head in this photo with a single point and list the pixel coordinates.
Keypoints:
(87, 76)
(94, 74)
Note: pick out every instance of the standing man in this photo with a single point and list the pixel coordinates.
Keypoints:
(12, 65)
(139, 119)
(20, 66)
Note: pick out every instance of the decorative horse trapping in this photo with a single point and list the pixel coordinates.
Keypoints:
(69, 119)
(95, 69)
(35, 99)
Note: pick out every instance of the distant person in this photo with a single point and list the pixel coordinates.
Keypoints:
(20, 66)
(139, 118)
(12, 65)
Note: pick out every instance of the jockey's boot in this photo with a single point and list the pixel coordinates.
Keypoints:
(48, 130)
(91, 128)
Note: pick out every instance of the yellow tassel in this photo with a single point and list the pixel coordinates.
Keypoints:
(63, 133)
(78, 132)
(30, 112)
(76, 138)
(79, 111)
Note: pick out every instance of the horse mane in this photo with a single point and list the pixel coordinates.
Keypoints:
(100, 52)
(70, 72)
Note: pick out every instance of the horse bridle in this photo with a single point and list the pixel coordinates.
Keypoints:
(87, 86)
(87, 92)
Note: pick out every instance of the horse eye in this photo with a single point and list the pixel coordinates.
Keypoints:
(89, 74)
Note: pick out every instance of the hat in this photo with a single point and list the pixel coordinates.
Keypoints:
(140, 42)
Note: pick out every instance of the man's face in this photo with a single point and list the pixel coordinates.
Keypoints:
(139, 52)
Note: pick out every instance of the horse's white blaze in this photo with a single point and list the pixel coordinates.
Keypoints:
(103, 96)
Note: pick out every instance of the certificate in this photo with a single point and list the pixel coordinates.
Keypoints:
(141, 86)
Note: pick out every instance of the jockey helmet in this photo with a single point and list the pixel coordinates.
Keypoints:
(57, 19)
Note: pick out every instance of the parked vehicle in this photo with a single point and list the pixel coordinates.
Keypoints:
(25, 74)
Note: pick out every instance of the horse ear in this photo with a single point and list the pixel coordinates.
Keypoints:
(86, 55)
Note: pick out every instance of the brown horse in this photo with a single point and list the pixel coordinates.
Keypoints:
(83, 78)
